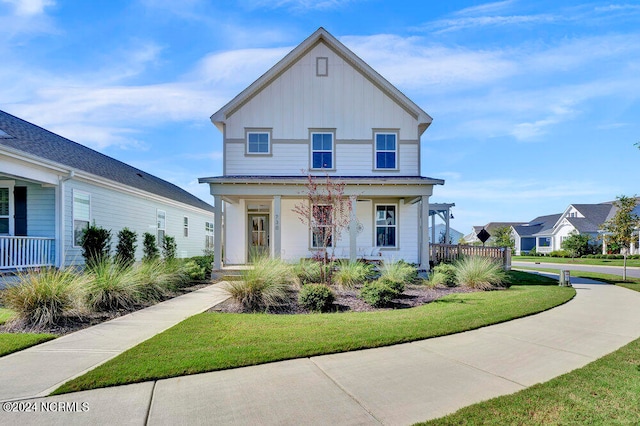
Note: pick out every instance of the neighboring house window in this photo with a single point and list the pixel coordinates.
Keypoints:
(544, 242)
(186, 227)
(386, 225)
(4, 211)
(161, 217)
(322, 150)
(386, 151)
(208, 230)
(321, 226)
(81, 215)
(258, 143)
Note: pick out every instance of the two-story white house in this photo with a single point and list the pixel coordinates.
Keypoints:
(321, 111)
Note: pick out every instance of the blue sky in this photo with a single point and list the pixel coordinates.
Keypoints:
(536, 105)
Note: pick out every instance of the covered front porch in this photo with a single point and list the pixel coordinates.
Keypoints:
(388, 219)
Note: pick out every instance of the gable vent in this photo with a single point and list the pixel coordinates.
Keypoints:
(322, 66)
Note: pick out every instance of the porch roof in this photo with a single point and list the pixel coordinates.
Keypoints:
(292, 185)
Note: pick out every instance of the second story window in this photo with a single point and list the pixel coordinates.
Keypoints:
(258, 143)
(386, 151)
(322, 150)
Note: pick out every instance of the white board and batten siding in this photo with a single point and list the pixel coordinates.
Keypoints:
(115, 210)
(344, 101)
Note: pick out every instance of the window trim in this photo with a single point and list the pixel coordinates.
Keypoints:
(158, 228)
(396, 151)
(185, 224)
(73, 213)
(331, 132)
(10, 185)
(257, 131)
(396, 226)
(312, 225)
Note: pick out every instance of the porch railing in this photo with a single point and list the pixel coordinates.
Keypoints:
(449, 253)
(26, 252)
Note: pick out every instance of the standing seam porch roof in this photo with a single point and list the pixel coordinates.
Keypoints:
(36, 141)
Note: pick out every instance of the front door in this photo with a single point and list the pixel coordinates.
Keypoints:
(258, 235)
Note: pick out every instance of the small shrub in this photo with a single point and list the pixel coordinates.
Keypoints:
(41, 297)
(194, 270)
(206, 262)
(169, 248)
(397, 286)
(377, 293)
(126, 248)
(444, 274)
(481, 273)
(263, 286)
(150, 247)
(316, 297)
(351, 274)
(560, 253)
(112, 286)
(309, 271)
(96, 245)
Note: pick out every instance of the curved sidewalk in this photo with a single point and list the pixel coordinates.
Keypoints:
(399, 384)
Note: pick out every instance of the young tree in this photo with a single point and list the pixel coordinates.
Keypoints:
(169, 248)
(96, 245)
(577, 244)
(619, 229)
(502, 238)
(327, 213)
(150, 247)
(126, 248)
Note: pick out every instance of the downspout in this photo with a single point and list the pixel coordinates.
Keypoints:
(60, 255)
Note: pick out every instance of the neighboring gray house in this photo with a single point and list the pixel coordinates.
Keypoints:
(440, 231)
(533, 234)
(51, 188)
(472, 237)
(321, 110)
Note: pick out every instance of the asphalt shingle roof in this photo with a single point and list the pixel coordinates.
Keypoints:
(36, 141)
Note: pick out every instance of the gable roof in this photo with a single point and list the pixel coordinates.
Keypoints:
(20, 135)
(539, 225)
(322, 36)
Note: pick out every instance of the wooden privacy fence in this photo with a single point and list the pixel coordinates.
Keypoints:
(26, 252)
(449, 253)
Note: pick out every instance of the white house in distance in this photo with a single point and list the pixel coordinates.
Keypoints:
(51, 188)
(321, 110)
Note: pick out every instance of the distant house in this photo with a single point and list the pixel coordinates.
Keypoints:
(440, 231)
(472, 237)
(322, 111)
(546, 233)
(52, 188)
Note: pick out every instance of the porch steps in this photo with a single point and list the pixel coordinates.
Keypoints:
(228, 274)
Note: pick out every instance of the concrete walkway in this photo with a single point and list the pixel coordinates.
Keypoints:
(395, 385)
(39, 370)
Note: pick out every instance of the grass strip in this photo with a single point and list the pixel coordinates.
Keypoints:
(577, 261)
(631, 282)
(5, 315)
(14, 342)
(605, 392)
(215, 341)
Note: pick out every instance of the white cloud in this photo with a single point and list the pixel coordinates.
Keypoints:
(29, 7)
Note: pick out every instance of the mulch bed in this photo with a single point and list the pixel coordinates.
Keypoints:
(74, 322)
(348, 300)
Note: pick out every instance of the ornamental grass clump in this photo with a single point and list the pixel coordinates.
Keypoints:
(481, 273)
(397, 274)
(309, 271)
(42, 297)
(351, 274)
(265, 285)
(112, 286)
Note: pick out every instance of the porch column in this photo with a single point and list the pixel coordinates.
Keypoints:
(59, 224)
(277, 218)
(353, 230)
(447, 230)
(433, 229)
(424, 237)
(217, 232)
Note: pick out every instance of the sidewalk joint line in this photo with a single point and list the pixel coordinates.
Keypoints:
(153, 392)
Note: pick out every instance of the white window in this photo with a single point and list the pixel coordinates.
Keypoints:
(208, 230)
(6, 208)
(186, 227)
(81, 215)
(322, 226)
(322, 150)
(386, 226)
(161, 217)
(258, 143)
(386, 151)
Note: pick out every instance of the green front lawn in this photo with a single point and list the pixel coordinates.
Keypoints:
(578, 261)
(605, 392)
(14, 342)
(215, 341)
